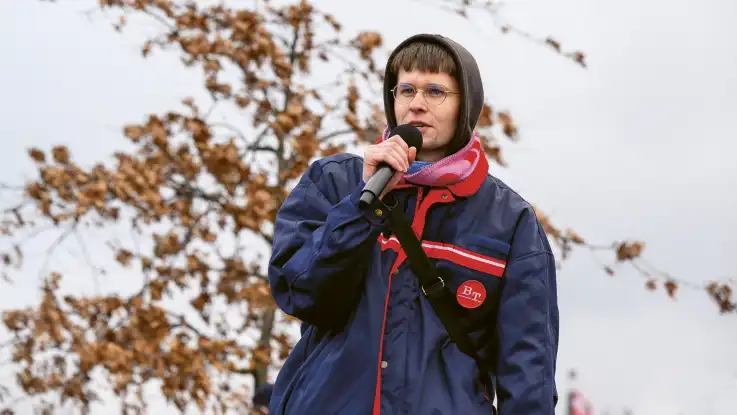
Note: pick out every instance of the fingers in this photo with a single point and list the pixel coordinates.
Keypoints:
(391, 156)
(399, 140)
(398, 159)
(393, 151)
(399, 147)
(410, 151)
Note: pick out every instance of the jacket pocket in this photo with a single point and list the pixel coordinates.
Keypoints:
(473, 269)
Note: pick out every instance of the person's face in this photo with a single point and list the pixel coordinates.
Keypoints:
(436, 120)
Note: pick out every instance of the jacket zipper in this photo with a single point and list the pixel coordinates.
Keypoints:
(420, 192)
(395, 267)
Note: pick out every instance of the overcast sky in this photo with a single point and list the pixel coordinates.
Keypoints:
(640, 145)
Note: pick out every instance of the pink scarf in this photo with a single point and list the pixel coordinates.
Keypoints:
(449, 170)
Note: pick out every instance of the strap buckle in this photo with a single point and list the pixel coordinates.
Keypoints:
(434, 288)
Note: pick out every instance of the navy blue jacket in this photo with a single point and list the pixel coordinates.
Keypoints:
(371, 342)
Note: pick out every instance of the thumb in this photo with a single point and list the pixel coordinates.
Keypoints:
(412, 154)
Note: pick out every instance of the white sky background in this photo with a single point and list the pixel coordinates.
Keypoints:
(639, 145)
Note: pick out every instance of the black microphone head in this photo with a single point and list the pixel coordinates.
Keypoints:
(410, 134)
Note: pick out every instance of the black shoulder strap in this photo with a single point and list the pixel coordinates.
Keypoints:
(433, 287)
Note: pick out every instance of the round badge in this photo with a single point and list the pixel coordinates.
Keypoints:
(471, 294)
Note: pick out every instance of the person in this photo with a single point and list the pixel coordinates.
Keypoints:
(371, 342)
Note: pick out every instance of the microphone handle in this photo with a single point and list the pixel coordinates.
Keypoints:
(375, 185)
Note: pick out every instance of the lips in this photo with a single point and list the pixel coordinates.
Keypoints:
(419, 124)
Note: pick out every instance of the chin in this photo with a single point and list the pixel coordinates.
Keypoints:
(430, 143)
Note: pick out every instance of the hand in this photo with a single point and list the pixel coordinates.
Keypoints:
(394, 152)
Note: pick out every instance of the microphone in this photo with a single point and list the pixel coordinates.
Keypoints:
(378, 181)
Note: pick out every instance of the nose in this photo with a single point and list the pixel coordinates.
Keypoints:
(418, 103)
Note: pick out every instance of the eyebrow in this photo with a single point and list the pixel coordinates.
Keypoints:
(426, 85)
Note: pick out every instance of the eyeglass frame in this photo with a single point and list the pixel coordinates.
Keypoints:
(441, 87)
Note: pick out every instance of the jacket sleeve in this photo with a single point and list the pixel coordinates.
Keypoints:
(321, 249)
(527, 325)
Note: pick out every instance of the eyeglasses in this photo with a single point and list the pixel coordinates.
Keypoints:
(433, 94)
